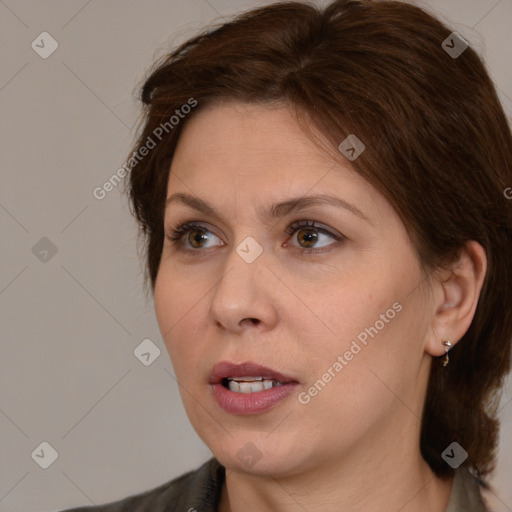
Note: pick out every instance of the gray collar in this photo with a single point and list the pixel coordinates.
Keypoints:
(466, 495)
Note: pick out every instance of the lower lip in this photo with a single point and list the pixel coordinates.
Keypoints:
(251, 403)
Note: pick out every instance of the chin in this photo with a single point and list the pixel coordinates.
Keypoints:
(253, 453)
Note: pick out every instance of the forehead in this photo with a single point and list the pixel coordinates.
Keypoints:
(261, 131)
(247, 140)
(247, 152)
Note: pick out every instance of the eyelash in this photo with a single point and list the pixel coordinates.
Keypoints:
(176, 234)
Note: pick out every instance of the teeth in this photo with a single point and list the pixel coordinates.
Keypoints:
(234, 386)
(247, 387)
(245, 379)
(251, 384)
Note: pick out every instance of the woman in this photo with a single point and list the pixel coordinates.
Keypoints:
(329, 250)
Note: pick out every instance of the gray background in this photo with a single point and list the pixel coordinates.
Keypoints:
(70, 324)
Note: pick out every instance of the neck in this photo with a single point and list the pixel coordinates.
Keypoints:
(393, 480)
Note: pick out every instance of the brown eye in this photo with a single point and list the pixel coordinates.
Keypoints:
(191, 236)
(307, 237)
(196, 237)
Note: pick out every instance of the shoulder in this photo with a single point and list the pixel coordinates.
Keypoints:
(466, 493)
(196, 490)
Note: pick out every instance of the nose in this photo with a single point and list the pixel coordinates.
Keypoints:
(244, 298)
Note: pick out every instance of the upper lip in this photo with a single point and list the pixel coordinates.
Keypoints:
(226, 369)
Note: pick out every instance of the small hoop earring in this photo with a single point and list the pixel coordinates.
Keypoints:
(446, 359)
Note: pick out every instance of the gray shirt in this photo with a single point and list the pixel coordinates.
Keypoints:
(200, 490)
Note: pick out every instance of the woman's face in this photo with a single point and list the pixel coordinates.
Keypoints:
(335, 312)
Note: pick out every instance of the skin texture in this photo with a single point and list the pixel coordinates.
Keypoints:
(355, 445)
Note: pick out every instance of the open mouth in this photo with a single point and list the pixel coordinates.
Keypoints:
(248, 388)
(249, 384)
(247, 377)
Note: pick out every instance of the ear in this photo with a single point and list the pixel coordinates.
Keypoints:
(456, 291)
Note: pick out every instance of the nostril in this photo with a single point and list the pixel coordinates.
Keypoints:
(254, 321)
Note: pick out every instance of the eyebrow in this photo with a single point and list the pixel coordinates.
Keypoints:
(277, 210)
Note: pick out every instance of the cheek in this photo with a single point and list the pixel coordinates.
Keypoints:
(381, 350)
(372, 321)
(367, 379)
(349, 310)
(177, 305)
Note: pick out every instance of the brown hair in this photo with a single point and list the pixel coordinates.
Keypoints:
(438, 147)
